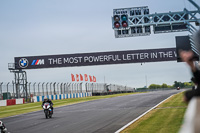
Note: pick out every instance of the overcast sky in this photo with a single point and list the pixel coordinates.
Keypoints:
(51, 27)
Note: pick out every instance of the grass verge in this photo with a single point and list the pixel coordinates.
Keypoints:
(7, 111)
(166, 118)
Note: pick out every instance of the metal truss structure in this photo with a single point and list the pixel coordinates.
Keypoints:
(20, 81)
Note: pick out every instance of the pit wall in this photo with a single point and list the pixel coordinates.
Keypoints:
(61, 96)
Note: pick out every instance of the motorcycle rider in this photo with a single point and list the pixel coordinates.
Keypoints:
(2, 126)
(47, 100)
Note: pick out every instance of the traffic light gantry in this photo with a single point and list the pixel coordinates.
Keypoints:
(137, 21)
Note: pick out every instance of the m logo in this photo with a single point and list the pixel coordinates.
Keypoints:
(38, 62)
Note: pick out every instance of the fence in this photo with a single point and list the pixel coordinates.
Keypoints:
(9, 91)
(100, 88)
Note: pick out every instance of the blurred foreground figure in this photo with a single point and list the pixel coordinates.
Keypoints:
(188, 56)
(192, 115)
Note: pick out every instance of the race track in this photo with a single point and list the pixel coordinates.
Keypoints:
(99, 116)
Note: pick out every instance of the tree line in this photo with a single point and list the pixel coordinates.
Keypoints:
(175, 85)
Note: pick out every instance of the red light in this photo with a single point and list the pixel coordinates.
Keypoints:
(116, 24)
(124, 24)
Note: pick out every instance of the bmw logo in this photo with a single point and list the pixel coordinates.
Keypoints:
(23, 62)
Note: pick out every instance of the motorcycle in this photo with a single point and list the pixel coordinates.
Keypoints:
(47, 110)
(2, 128)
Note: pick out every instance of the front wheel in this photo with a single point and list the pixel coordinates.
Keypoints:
(46, 114)
(50, 113)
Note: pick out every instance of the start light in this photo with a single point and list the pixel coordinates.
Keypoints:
(124, 17)
(124, 21)
(117, 24)
(116, 18)
(124, 24)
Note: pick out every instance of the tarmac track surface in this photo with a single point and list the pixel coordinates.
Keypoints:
(99, 116)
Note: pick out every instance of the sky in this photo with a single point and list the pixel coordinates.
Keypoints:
(53, 27)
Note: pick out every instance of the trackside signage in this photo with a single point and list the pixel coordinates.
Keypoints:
(99, 58)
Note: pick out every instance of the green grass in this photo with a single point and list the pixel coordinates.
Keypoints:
(166, 118)
(7, 111)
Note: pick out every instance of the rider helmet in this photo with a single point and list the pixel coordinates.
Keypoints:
(45, 99)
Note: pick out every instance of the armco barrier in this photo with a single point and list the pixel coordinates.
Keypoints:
(11, 102)
(61, 96)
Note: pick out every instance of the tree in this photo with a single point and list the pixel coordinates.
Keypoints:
(176, 84)
(170, 86)
(182, 85)
(164, 85)
(154, 86)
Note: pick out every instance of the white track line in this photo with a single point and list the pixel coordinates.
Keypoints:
(121, 129)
